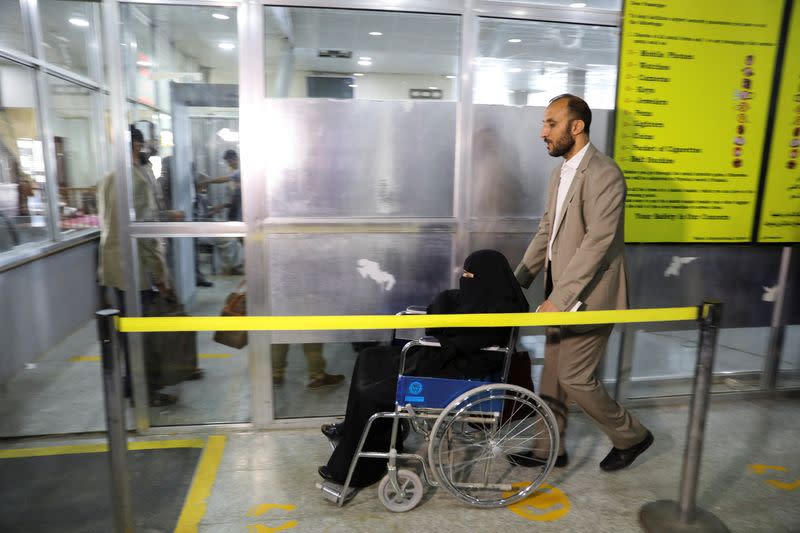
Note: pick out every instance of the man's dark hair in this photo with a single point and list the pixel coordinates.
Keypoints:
(578, 109)
(230, 155)
(136, 134)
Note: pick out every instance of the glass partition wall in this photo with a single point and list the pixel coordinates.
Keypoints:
(341, 159)
(53, 133)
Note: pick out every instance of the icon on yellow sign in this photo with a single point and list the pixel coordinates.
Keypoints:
(546, 504)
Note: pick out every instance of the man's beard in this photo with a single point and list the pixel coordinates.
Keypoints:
(144, 158)
(563, 145)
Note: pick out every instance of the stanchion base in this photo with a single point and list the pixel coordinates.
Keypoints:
(665, 516)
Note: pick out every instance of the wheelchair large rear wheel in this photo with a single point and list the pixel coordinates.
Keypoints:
(473, 436)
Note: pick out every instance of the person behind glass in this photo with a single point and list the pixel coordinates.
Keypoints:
(154, 275)
(487, 285)
(166, 186)
(580, 248)
(317, 377)
(234, 178)
(230, 248)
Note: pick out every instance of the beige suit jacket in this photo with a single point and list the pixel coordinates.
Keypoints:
(152, 252)
(588, 257)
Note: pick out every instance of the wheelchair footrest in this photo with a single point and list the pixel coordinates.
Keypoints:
(333, 492)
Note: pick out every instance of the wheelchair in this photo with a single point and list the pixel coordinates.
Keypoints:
(468, 427)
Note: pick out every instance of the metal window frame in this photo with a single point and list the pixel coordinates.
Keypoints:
(35, 59)
(257, 221)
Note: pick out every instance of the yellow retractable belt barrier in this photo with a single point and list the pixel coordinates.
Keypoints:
(354, 322)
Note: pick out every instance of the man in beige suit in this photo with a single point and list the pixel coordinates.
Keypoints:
(580, 246)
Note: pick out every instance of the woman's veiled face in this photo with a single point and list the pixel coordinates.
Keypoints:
(467, 274)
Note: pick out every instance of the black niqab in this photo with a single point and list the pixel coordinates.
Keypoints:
(492, 289)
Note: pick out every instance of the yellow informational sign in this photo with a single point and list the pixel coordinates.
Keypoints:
(695, 81)
(780, 208)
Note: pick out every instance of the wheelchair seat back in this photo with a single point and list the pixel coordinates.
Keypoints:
(433, 393)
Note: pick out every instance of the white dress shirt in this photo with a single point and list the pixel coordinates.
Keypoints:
(568, 170)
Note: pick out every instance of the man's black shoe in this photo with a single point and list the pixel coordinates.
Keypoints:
(528, 460)
(618, 459)
(332, 431)
(203, 282)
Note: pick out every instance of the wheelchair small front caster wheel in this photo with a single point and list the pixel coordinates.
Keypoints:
(407, 498)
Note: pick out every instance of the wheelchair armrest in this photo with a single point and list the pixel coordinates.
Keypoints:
(414, 310)
(429, 341)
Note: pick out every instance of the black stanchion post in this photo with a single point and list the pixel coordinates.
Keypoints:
(115, 421)
(684, 516)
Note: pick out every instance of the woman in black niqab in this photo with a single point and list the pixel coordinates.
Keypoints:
(487, 285)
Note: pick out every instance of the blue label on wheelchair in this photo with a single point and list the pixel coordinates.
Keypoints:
(431, 392)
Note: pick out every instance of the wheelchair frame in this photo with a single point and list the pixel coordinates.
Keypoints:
(401, 490)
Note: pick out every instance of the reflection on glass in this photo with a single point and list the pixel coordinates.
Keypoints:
(177, 44)
(23, 201)
(78, 167)
(363, 55)
(182, 68)
(208, 381)
(789, 373)
(11, 34)
(615, 5)
(364, 158)
(70, 33)
(296, 393)
(528, 63)
(215, 141)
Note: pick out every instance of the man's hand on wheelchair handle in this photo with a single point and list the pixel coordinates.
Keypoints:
(547, 307)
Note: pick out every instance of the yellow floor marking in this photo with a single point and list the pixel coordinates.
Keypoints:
(760, 469)
(783, 485)
(99, 448)
(546, 504)
(263, 508)
(92, 358)
(261, 528)
(194, 508)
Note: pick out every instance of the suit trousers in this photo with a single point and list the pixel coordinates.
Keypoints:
(314, 359)
(570, 362)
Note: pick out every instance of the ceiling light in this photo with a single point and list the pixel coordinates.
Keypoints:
(433, 88)
(518, 12)
(577, 4)
(220, 16)
(227, 46)
(515, 40)
(145, 63)
(363, 58)
(450, 77)
(79, 22)
(375, 33)
(514, 70)
(358, 73)
(365, 63)
(353, 85)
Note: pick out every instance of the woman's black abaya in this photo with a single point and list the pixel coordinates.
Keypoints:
(488, 286)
